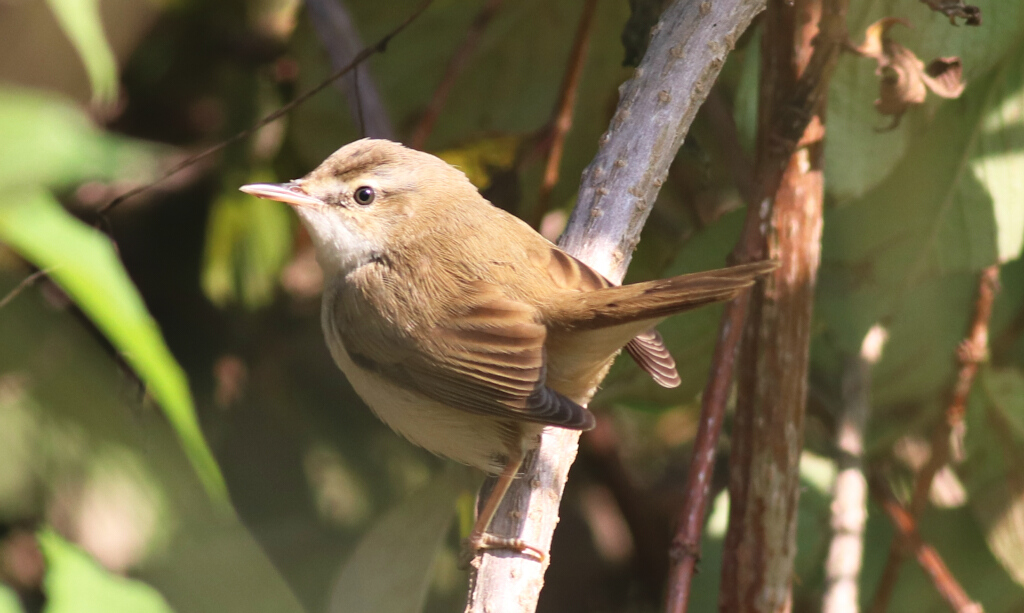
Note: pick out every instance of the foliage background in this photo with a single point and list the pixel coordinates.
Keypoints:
(208, 301)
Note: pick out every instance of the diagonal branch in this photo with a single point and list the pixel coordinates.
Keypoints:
(456, 65)
(927, 557)
(562, 121)
(949, 430)
(656, 107)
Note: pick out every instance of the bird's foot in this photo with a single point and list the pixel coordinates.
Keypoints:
(479, 542)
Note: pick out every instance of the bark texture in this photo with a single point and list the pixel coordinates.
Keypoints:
(760, 545)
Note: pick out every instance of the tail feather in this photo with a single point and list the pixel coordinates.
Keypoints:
(653, 300)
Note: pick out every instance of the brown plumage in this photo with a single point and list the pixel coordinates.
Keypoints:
(460, 326)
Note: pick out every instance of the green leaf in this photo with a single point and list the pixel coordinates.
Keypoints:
(375, 579)
(82, 24)
(84, 263)
(75, 583)
(248, 241)
(950, 208)
(47, 140)
(992, 471)
(857, 157)
(9, 602)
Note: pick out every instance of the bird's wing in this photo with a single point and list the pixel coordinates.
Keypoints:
(487, 358)
(647, 349)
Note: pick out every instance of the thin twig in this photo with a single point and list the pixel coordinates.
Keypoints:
(379, 47)
(562, 121)
(927, 557)
(337, 31)
(25, 284)
(784, 133)
(457, 64)
(949, 430)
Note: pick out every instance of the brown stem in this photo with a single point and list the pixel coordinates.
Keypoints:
(456, 65)
(360, 57)
(781, 132)
(927, 557)
(949, 430)
(561, 123)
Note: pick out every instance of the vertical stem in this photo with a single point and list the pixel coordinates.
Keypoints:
(760, 544)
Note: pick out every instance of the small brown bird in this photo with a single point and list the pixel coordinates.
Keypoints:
(461, 327)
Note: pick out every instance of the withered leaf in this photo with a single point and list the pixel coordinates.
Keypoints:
(904, 80)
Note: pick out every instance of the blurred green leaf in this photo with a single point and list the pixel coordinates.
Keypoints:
(993, 471)
(82, 24)
(906, 254)
(84, 263)
(75, 583)
(9, 600)
(375, 579)
(857, 156)
(47, 140)
(248, 241)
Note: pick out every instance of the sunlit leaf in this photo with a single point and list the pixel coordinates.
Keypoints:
(907, 253)
(81, 22)
(9, 600)
(390, 570)
(75, 583)
(857, 157)
(993, 470)
(47, 140)
(84, 263)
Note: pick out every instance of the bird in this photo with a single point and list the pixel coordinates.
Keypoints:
(460, 326)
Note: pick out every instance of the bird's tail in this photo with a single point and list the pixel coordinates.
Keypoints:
(655, 300)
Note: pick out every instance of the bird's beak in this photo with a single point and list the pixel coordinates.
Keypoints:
(289, 193)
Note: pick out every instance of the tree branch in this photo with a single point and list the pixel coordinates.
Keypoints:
(949, 430)
(784, 123)
(619, 187)
(458, 63)
(801, 45)
(561, 123)
(929, 559)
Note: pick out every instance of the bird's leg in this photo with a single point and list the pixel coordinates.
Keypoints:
(479, 538)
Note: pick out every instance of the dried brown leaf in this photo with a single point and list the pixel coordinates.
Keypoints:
(904, 80)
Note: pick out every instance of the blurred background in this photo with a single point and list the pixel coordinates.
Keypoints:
(118, 324)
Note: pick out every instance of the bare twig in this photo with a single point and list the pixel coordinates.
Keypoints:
(360, 57)
(26, 283)
(562, 121)
(949, 430)
(457, 64)
(338, 34)
(849, 500)
(927, 557)
(619, 187)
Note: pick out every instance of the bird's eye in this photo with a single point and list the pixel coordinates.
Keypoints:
(364, 195)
